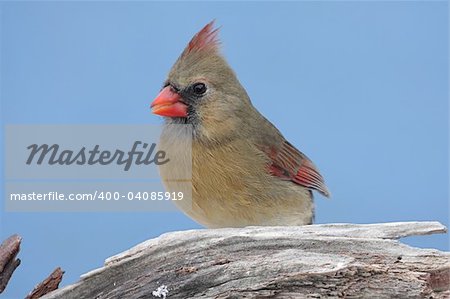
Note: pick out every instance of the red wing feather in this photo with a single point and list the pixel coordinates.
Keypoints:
(288, 163)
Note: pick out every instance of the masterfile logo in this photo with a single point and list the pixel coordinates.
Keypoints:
(52, 154)
(92, 168)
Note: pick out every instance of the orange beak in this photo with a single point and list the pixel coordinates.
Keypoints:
(168, 103)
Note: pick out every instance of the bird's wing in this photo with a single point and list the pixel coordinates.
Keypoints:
(289, 163)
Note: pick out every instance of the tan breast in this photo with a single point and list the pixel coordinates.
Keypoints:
(231, 187)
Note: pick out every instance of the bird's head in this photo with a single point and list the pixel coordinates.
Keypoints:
(201, 88)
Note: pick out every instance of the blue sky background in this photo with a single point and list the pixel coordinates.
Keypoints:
(361, 88)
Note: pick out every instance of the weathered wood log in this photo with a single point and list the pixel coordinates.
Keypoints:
(8, 262)
(317, 261)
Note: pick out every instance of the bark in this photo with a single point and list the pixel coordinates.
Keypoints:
(316, 261)
(49, 284)
(8, 262)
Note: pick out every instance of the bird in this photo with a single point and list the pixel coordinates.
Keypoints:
(242, 170)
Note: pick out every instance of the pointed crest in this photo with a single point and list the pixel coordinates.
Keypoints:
(206, 39)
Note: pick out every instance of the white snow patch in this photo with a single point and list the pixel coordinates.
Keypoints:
(161, 292)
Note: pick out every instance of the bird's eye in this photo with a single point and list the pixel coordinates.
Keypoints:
(199, 88)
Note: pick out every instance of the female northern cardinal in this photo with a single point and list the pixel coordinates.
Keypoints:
(243, 170)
